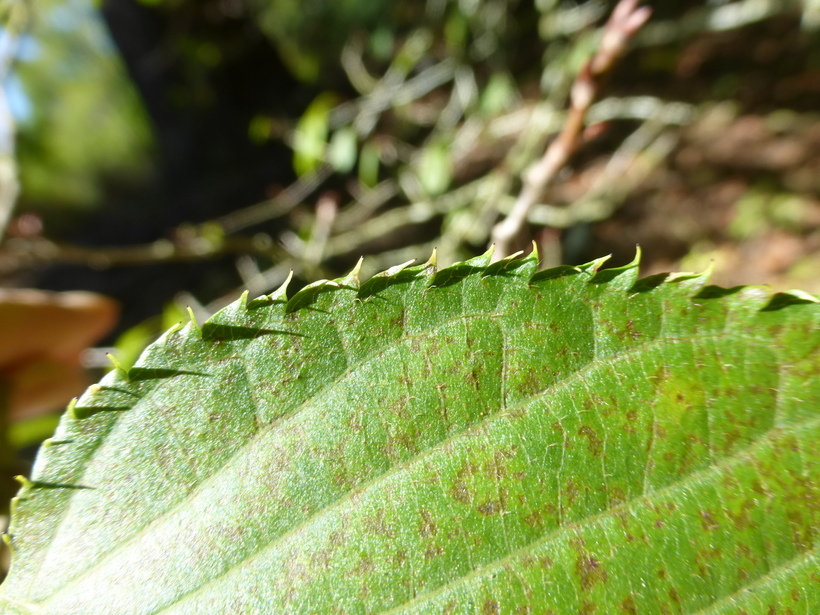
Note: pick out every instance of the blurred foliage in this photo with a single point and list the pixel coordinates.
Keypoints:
(80, 122)
(309, 35)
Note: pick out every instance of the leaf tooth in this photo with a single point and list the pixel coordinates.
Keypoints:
(501, 264)
(25, 483)
(71, 409)
(307, 294)
(458, 271)
(281, 293)
(119, 367)
(623, 277)
(784, 299)
(351, 280)
(194, 322)
(396, 269)
(696, 280)
(534, 254)
(432, 263)
(243, 300)
(554, 272)
(592, 267)
(176, 328)
(701, 278)
(384, 279)
(488, 254)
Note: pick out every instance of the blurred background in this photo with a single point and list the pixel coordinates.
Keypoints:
(173, 153)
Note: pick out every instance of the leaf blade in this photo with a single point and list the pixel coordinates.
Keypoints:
(364, 451)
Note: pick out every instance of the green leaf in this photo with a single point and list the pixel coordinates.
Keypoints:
(435, 168)
(369, 163)
(343, 149)
(478, 439)
(497, 94)
(310, 136)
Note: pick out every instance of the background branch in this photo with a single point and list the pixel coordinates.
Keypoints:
(624, 22)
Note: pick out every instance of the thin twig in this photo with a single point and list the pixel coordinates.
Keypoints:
(17, 254)
(278, 206)
(624, 22)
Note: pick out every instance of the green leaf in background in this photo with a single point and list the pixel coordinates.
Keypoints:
(343, 149)
(497, 94)
(369, 163)
(483, 438)
(310, 137)
(435, 170)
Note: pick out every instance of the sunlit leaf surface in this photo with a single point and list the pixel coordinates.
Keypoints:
(479, 439)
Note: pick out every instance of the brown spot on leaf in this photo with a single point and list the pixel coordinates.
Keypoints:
(365, 566)
(707, 521)
(337, 538)
(595, 443)
(588, 608)
(534, 519)
(742, 520)
(616, 496)
(460, 493)
(491, 508)
(427, 527)
(491, 606)
(534, 381)
(628, 605)
(433, 551)
(528, 561)
(589, 571)
(375, 524)
(571, 491)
